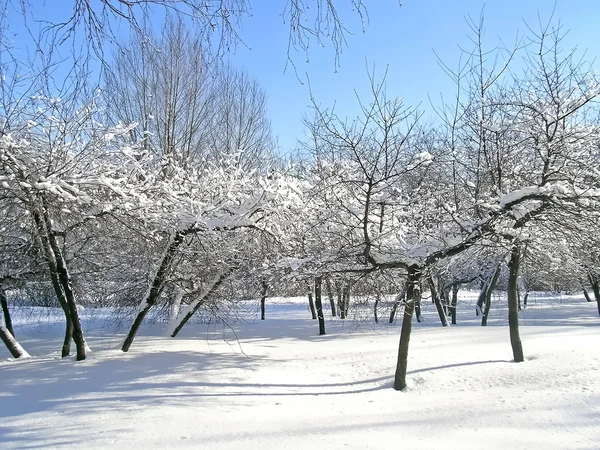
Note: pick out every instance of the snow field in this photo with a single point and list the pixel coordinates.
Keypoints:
(275, 384)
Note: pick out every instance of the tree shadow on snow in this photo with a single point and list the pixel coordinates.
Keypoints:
(462, 364)
(39, 384)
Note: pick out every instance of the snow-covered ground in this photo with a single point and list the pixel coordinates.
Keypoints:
(277, 385)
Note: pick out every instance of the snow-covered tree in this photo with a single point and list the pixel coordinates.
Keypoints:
(526, 144)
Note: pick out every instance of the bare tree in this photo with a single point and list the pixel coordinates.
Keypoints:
(239, 128)
(166, 85)
(188, 105)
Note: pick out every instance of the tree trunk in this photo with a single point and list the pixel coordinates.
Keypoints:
(5, 311)
(596, 288)
(319, 305)
(412, 295)
(263, 298)
(46, 249)
(311, 303)
(488, 295)
(525, 299)
(396, 303)
(418, 307)
(375, 305)
(11, 343)
(346, 299)
(330, 296)
(481, 298)
(195, 305)
(155, 289)
(454, 303)
(338, 290)
(513, 303)
(75, 322)
(445, 298)
(65, 282)
(437, 302)
(587, 296)
(175, 305)
(66, 348)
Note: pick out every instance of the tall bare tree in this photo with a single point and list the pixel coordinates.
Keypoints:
(187, 104)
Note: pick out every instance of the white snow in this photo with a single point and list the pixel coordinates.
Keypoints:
(282, 386)
(516, 196)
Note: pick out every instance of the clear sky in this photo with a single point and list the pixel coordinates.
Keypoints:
(402, 38)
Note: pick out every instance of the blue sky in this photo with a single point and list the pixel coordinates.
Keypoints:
(401, 39)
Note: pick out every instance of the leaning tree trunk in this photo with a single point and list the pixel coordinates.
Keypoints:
(195, 305)
(437, 302)
(513, 303)
(412, 296)
(46, 248)
(11, 343)
(5, 311)
(453, 303)
(587, 296)
(64, 277)
(319, 305)
(153, 293)
(66, 347)
(595, 282)
(330, 296)
(65, 281)
(488, 295)
(43, 231)
(263, 298)
(375, 306)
